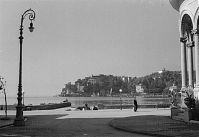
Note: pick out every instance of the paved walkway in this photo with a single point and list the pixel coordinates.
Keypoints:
(69, 124)
(59, 122)
(71, 113)
(161, 126)
(7, 122)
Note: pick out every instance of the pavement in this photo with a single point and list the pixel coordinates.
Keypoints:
(6, 122)
(161, 126)
(108, 122)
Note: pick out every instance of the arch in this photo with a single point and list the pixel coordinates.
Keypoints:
(186, 25)
(185, 17)
(196, 18)
(197, 24)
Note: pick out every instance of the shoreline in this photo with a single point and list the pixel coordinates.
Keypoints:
(70, 112)
(101, 102)
(100, 106)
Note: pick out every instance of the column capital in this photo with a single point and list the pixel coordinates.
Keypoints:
(190, 44)
(183, 39)
(195, 32)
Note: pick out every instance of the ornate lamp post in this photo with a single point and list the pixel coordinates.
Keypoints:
(23, 97)
(19, 120)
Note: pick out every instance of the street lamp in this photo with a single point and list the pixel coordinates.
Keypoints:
(19, 120)
(23, 97)
(120, 99)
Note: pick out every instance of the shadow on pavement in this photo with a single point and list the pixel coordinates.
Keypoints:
(50, 126)
(156, 126)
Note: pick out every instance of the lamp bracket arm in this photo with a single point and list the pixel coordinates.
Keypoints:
(31, 14)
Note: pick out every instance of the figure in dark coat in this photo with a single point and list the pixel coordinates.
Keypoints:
(86, 107)
(135, 105)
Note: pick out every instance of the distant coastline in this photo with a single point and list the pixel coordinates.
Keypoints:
(91, 101)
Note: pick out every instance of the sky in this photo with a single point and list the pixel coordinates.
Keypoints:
(78, 38)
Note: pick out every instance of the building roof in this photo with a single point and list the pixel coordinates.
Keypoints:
(176, 4)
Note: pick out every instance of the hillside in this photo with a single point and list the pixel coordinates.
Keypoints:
(109, 85)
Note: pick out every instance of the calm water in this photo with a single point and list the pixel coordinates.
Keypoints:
(80, 101)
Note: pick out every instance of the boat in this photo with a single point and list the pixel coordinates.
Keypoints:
(48, 106)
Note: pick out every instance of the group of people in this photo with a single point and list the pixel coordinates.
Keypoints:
(86, 107)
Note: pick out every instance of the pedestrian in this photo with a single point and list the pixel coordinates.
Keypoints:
(95, 108)
(1, 108)
(135, 105)
(87, 107)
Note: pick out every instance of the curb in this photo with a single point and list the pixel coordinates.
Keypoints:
(111, 124)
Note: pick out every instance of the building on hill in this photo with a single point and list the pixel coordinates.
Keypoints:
(162, 71)
(139, 88)
(69, 89)
(173, 88)
(94, 79)
(126, 79)
(66, 90)
(80, 88)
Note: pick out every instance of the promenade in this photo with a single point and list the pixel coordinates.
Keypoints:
(102, 123)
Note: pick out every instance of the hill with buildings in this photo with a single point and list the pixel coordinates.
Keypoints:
(109, 85)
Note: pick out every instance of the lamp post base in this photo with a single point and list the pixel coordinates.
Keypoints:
(19, 120)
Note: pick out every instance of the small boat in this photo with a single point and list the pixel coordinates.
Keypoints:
(48, 106)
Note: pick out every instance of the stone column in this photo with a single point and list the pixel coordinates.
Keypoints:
(183, 41)
(183, 62)
(196, 39)
(190, 63)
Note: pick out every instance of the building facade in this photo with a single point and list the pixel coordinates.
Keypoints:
(189, 39)
(139, 88)
(92, 81)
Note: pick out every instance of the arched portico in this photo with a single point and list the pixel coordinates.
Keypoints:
(196, 40)
(189, 37)
(187, 45)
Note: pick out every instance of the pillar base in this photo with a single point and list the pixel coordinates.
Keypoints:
(196, 93)
(196, 96)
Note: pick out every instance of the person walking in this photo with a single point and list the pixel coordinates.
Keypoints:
(135, 105)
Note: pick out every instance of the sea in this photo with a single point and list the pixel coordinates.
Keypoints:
(81, 101)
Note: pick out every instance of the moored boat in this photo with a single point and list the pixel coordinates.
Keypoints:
(48, 106)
